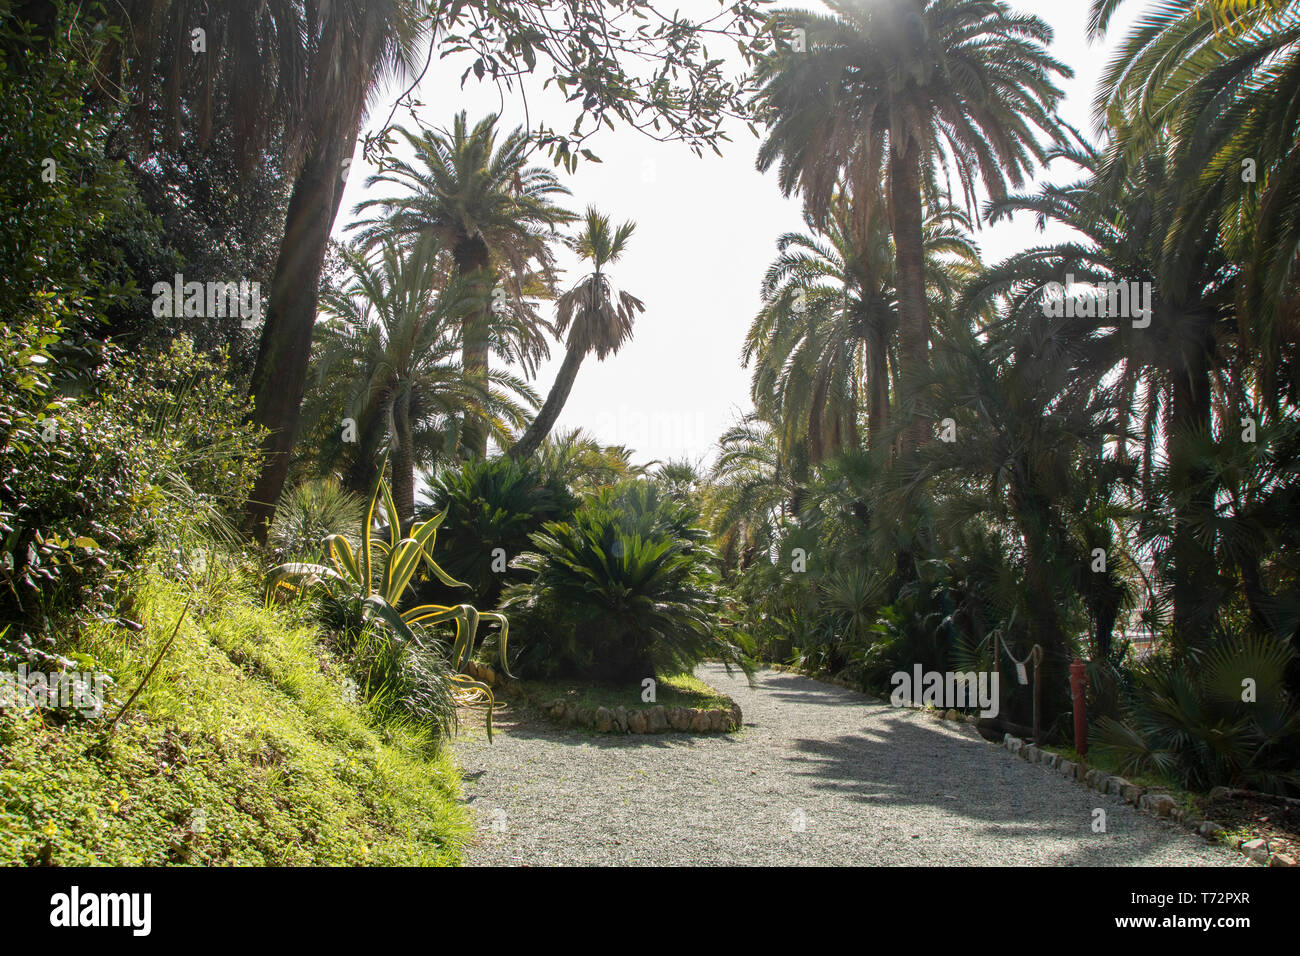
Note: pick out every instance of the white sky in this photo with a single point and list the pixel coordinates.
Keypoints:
(706, 232)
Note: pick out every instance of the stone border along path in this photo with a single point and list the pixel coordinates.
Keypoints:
(819, 775)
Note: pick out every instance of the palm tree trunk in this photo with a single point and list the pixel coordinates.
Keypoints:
(403, 469)
(1045, 625)
(541, 426)
(472, 259)
(280, 373)
(1194, 586)
(877, 348)
(906, 221)
(359, 478)
(906, 213)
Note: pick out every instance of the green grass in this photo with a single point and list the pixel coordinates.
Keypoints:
(1096, 760)
(243, 726)
(676, 690)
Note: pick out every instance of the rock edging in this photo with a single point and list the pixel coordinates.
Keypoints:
(641, 720)
(1147, 800)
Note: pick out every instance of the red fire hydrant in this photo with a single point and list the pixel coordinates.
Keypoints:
(1079, 691)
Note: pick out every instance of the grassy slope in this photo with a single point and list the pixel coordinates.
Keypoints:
(244, 720)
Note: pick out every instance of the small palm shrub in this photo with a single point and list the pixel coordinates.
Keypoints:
(1221, 717)
(624, 590)
(490, 504)
(311, 511)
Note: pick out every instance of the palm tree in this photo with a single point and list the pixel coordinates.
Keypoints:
(1214, 86)
(297, 76)
(751, 490)
(1163, 374)
(496, 216)
(825, 336)
(910, 87)
(396, 324)
(1030, 451)
(582, 463)
(597, 318)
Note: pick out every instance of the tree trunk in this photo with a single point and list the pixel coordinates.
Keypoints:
(472, 260)
(541, 426)
(907, 216)
(359, 478)
(877, 348)
(280, 374)
(403, 469)
(906, 221)
(1194, 585)
(1044, 625)
(1258, 599)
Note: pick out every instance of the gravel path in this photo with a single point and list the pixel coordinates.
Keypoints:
(818, 776)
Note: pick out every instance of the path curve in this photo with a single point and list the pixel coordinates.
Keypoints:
(870, 784)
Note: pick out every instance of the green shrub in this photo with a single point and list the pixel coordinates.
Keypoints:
(364, 588)
(490, 504)
(62, 199)
(308, 513)
(152, 450)
(624, 590)
(1187, 721)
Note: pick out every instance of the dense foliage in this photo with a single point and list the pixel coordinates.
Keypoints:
(622, 591)
(492, 507)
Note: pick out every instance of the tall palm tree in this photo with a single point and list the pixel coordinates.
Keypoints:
(395, 326)
(496, 215)
(1029, 439)
(1214, 85)
(751, 488)
(598, 319)
(296, 74)
(1160, 378)
(825, 333)
(913, 88)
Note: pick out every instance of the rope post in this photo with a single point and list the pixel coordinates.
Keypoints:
(1078, 690)
(1038, 697)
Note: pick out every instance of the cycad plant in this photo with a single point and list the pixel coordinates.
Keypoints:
(375, 577)
(491, 508)
(620, 592)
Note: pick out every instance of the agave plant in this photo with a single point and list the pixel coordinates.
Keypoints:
(378, 574)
